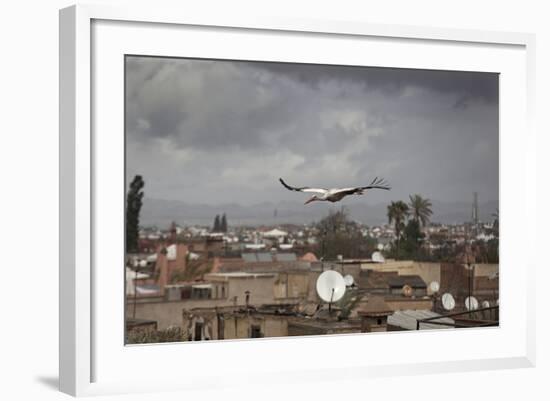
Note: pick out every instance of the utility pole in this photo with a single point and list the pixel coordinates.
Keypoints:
(475, 214)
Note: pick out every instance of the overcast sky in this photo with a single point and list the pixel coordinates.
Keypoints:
(214, 132)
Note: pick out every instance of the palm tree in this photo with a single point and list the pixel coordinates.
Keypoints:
(421, 209)
(397, 213)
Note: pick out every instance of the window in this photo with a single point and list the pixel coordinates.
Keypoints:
(198, 331)
(255, 331)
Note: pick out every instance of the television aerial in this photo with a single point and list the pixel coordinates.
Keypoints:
(331, 286)
(377, 257)
(348, 279)
(471, 303)
(448, 301)
(434, 286)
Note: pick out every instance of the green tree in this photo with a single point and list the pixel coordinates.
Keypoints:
(217, 224)
(420, 208)
(223, 224)
(134, 201)
(412, 239)
(348, 302)
(493, 251)
(338, 235)
(397, 214)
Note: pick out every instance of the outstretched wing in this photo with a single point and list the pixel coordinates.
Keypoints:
(377, 183)
(303, 189)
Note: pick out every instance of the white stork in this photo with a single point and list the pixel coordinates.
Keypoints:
(337, 194)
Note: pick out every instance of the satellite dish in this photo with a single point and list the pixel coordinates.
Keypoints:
(348, 279)
(331, 286)
(471, 303)
(434, 286)
(407, 290)
(378, 257)
(485, 304)
(380, 247)
(448, 301)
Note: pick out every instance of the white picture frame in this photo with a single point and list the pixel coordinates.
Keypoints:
(88, 366)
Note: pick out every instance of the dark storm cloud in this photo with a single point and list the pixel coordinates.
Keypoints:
(468, 85)
(228, 130)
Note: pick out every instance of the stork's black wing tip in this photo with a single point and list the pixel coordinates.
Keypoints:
(378, 183)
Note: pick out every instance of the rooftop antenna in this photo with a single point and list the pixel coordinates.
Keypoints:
(323, 250)
(331, 287)
(448, 301)
(475, 214)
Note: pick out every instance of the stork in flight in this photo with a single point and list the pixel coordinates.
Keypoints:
(337, 194)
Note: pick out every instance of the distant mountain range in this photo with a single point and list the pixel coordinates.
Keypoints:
(160, 213)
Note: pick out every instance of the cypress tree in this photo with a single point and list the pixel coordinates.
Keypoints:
(134, 201)
(223, 224)
(216, 227)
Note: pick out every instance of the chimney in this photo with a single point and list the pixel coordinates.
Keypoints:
(181, 257)
(162, 268)
(216, 264)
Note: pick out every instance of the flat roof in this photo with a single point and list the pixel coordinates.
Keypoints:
(240, 275)
(325, 324)
(407, 319)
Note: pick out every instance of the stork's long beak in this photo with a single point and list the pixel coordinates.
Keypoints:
(309, 200)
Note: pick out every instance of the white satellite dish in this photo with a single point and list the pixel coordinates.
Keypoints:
(378, 257)
(471, 303)
(434, 286)
(348, 279)
(380, 247)
(448, 301)
(331, 286)
(485, 304)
